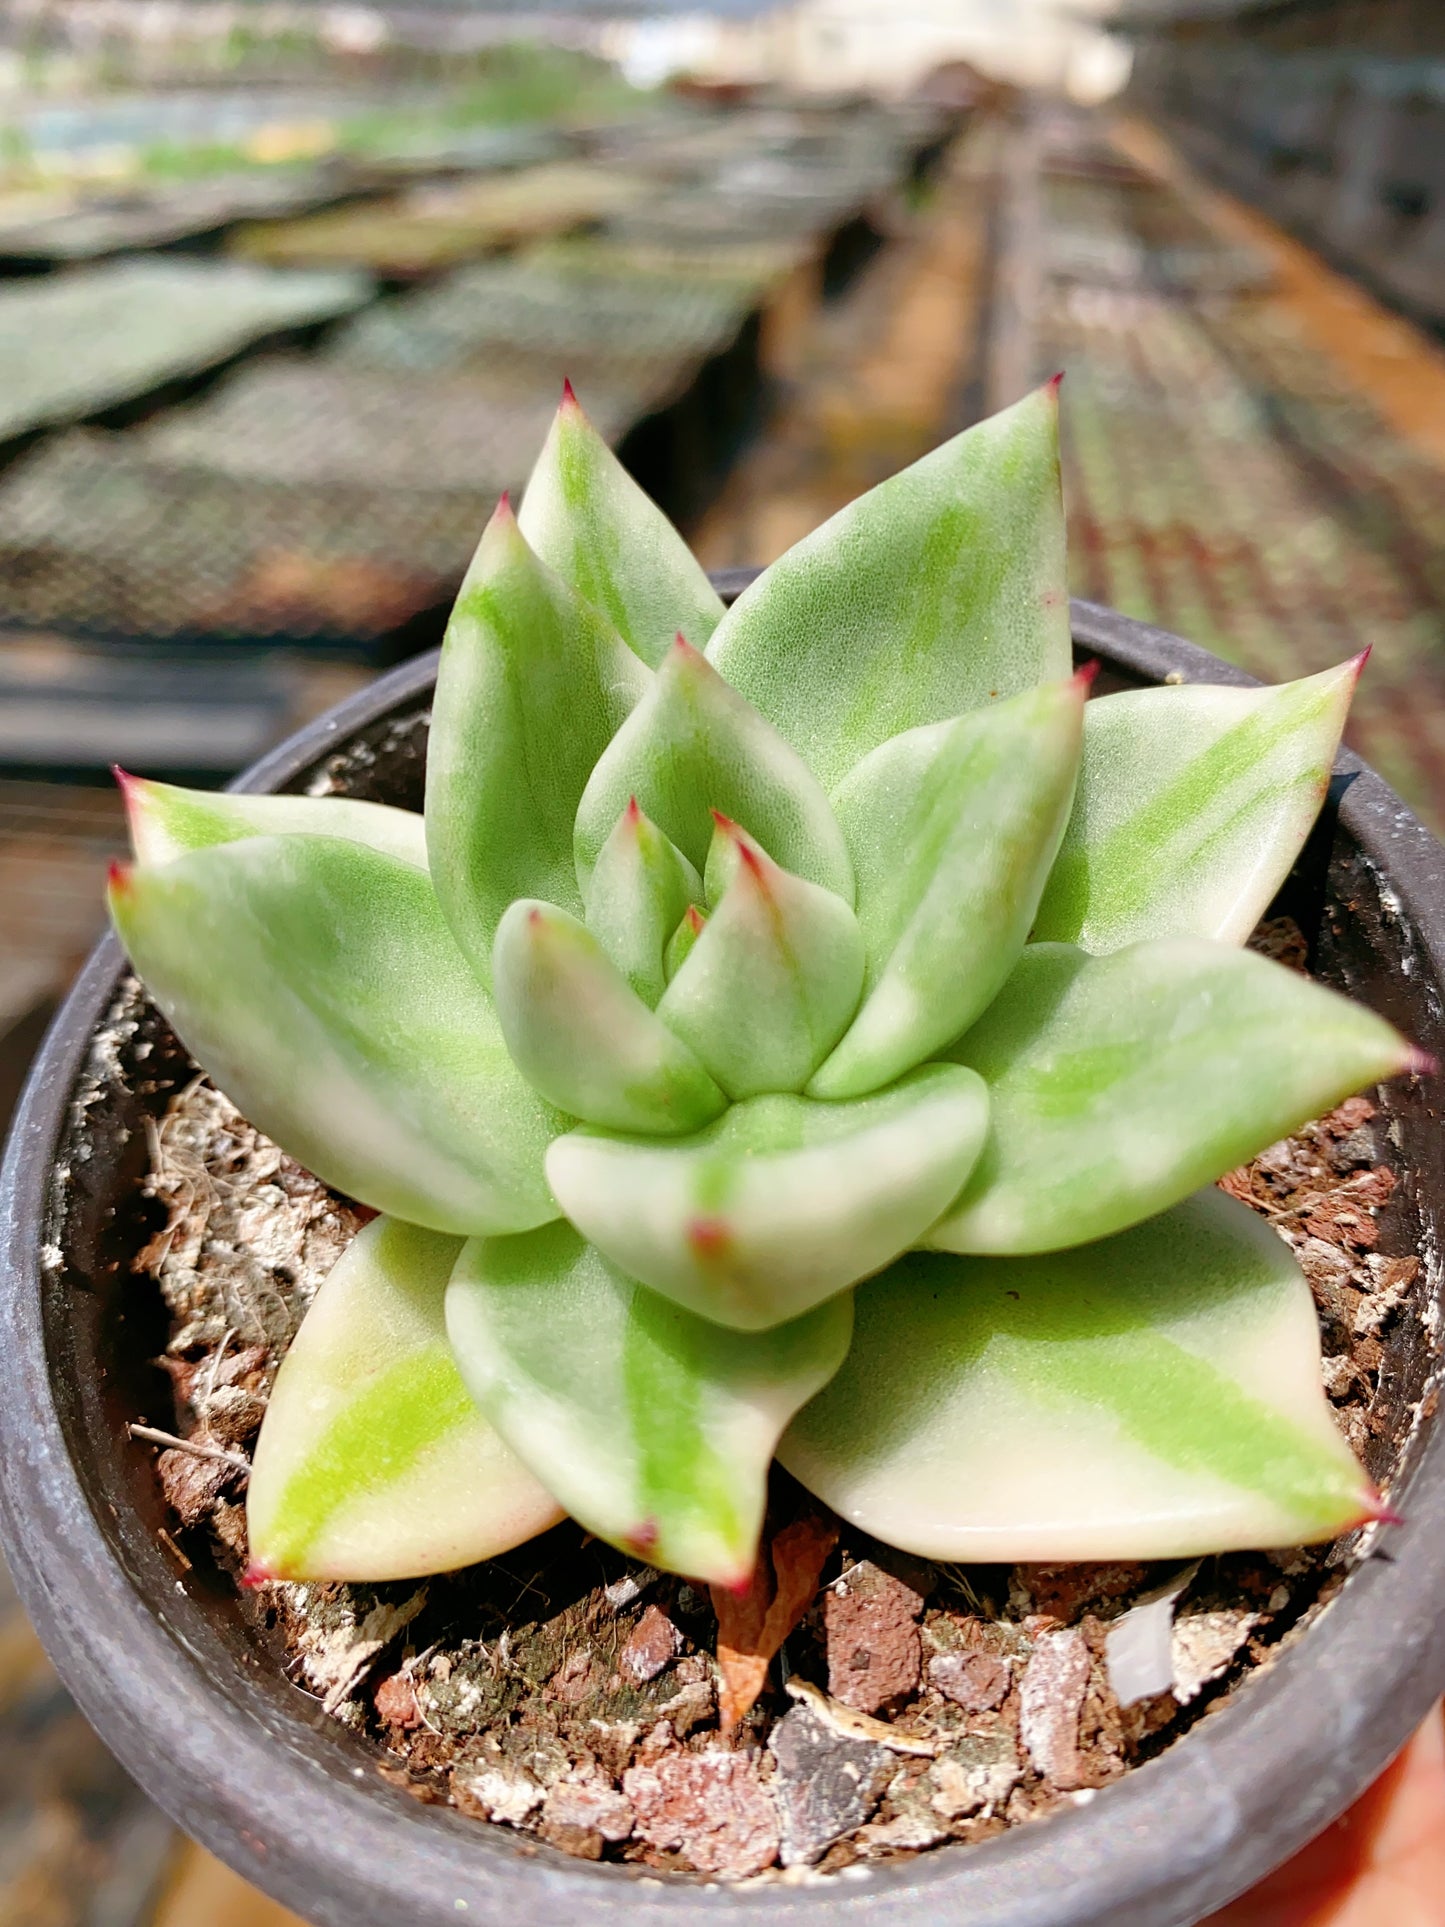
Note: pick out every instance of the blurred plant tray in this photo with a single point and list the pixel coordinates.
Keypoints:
(296, 420)
(552, 306)
(695, 146)
(692, 149)
(829, 183)
(753, 268)
(699, 218)
(74, 344)
(146, 216)
(421, 151)
(1118, 228)
(96, 538)
(441, 223)
(617, 390)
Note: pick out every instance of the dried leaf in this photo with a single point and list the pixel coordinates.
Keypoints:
(752, 1625)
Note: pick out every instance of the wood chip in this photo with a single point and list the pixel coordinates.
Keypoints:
(861, 1726)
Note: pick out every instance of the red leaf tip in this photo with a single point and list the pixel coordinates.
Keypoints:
(569, 394)
(132, 794)
(633, 813)
(724, 823)
(694, 919)
(751, 857)
(1375, 1511)
(1055, 382)
(257, 1575)
(1086, 672)
(118, 876)
(1360, 660)
(1420, 1063)
(503, 511)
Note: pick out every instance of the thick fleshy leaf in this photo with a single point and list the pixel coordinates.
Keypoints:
(582, 1036)
(692, 746)
(654, 1428)
(1153, 1396)
(952, 829)
(724, 854)
(166, 821)
(938, 591)
(1119, 1084)
(783, 1201)
(373, 1461)
(532, 686)
(680, 943)
(769, 986)
(588, 520)
(638, 896)
(317, 982)
(1192, 805)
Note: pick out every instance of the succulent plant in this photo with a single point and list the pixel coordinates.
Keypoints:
(808, 1029)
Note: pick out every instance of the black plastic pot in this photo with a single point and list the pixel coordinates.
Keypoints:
(161, 1662)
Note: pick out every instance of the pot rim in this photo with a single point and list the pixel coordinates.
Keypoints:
(328, 1837)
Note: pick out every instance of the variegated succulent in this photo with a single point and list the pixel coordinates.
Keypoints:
(808, 1029)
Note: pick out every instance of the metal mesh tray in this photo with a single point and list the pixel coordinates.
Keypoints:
(93, 536)
(74, 344)
(299, 421)
(443, 223)
(143, 217)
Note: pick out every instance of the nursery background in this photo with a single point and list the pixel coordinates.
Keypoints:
(288, 290)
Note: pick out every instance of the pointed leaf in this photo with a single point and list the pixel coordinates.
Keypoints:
(582, 1036)
(317, 982)
(166, 821)
(952, 829)
(373, 1460)
(532, 686)
(680, 943)
(1153, 1396)
(654, 1428)
(1119, 1084)
(938, 591)
(769, 986)
(639, 894)
(693, 746)
(1192, 805)
(782, 1202)
(588, 520)
(724, 855)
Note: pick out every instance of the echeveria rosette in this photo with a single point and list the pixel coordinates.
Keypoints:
(804, 1028)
